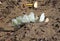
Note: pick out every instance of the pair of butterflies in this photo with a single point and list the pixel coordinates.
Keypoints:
(27, 19)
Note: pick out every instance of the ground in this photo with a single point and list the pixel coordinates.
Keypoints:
(49, 31)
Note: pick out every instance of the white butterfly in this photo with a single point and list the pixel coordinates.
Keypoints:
(31, 17)
(19, 19)
(25, 19)
(42, 17)
(14, 22)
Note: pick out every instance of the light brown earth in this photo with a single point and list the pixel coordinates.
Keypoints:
(10, 9)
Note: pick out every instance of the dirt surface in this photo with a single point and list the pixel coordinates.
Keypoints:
(10, 9)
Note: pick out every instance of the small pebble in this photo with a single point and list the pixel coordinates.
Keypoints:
(47, 20)
(0, 2)
(36, 4)
(36, 18)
